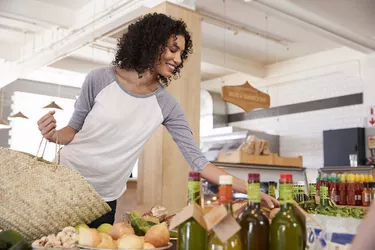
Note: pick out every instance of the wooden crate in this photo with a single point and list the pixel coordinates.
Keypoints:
(288, 161)
(242, 157)
(272, 159)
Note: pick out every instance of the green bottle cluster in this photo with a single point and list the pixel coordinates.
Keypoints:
(286, 231)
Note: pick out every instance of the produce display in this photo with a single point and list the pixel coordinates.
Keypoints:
(141, 223)
(66, 238)
(117, 236)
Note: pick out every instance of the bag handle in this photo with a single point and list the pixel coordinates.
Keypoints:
(57, 149)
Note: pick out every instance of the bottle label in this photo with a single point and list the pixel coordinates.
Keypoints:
(367, 197)
(312, 190)
(253, 192)
(194, 192)
(323, 193)
(225, 194)
(272, 191)
(286, 192)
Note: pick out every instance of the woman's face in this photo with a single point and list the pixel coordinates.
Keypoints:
(171, 57)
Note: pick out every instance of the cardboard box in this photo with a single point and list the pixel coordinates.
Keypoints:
(221, 222)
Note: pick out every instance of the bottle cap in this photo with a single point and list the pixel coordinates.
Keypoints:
(253, 177)
(195, 175)
(286, 178)
(225, 180)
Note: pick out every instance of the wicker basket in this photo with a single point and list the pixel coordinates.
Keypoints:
(38, 198)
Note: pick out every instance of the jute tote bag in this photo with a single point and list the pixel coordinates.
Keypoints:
(38, 197)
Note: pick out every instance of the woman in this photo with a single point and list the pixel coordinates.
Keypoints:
(120, 107)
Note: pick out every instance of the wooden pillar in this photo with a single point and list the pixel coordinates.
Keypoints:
(162, 170)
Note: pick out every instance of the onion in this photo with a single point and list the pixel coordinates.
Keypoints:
(89, 237)
(158, 235)
(119, 229)
(130, 241)
(148, 246)
(106, 242)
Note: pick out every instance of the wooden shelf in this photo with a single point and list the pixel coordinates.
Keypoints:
(252, 166)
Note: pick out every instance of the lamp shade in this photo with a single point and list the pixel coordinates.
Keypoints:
(52, 105)
(3, 124)
(18, 115)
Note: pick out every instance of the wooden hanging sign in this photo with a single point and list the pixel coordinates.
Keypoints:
(246, 97)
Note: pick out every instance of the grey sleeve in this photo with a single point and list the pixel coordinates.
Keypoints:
(179, 128)
(94, 82)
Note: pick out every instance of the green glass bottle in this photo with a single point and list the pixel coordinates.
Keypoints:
(286, 229)
(226, 198)
(254, 225)
(190, 234)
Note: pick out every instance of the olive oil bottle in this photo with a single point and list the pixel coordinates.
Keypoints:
(190, 234)
(226, 198)
(286, 229)
(254, 225)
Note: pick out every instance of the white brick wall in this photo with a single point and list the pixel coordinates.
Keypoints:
(302, 133)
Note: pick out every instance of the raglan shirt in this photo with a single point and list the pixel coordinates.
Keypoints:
(113, 125)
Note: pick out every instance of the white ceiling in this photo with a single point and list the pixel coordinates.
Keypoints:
(70, 4)
(252, 34)
(358, 15)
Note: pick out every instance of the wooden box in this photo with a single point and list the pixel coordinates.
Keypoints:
(272, 159)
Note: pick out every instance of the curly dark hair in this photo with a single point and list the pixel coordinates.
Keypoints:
(146, 40)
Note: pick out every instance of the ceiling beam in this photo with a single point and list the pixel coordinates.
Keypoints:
(290, 12)
(55, 15)
(233, 63)
(68, 41)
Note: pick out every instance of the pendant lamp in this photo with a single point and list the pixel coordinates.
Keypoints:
(18, 116)
(52, 106)
(4, 125)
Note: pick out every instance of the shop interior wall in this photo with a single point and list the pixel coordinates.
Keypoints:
(301, 133)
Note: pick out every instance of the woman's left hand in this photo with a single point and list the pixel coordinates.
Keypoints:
(268, 201)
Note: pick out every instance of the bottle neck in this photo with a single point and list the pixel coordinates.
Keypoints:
(286, 194)
(226, 196)
(253, 193)
(194, 188)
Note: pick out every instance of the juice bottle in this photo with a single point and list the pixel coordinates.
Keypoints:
(365, 195)
(317, 189)
(351, 190)
(342, 190)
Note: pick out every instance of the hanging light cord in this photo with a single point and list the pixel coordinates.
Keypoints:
(1, 103)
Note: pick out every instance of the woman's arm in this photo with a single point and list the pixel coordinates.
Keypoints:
(212, 173)
(365, 240)
(180, 130)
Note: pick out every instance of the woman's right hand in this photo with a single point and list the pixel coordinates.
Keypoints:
(47, 126)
